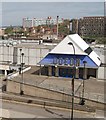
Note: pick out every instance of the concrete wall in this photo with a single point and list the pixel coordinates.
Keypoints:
(14, 87)
(102, 73)
(34, 91)
(101, 70)
(4, 67)
(12, 75)
(31, 55)
(100, 52)
(6, 53)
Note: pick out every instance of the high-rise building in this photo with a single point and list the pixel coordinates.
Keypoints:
(36, 22)
(27, 23)
(89, 26)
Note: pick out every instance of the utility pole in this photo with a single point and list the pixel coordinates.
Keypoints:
(57, 26)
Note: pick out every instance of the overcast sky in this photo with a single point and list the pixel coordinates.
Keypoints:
(13, 12)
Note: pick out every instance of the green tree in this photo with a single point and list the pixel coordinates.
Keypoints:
(64, 28)
(101, 40)
(38, 28)
(9, 30)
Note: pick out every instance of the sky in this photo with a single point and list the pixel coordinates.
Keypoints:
(53, 0)
(13, 12)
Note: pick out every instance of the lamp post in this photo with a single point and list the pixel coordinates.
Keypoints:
(70, 43)
(20, 55)
(21, 87)
(82, 101)
(8, 53)
(57, 26)
(40, 64)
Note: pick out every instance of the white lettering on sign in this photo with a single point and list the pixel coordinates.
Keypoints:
(66, 61)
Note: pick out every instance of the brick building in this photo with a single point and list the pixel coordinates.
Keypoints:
(89, 26)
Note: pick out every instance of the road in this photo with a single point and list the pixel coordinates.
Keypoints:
(13, 109)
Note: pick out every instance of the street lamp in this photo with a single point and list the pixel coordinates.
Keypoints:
(40, 71)
(21, 84)
(57, 26)
(8, 53)
(20, 55)
(82, 101)
(70, 43)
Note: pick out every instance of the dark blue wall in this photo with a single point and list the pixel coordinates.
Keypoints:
(64, 59)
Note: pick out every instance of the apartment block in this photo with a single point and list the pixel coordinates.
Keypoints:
(89, 26)
(27, 22)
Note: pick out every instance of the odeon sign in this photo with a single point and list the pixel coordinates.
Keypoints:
(66, 61)
(64, 55)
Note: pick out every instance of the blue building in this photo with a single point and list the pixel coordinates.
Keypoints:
(72, 52)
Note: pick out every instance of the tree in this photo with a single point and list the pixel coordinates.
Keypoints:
(9, 30)
(38, 28)
(101, 40)
(64, 28)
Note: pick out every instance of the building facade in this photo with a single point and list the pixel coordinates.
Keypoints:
(34, 53)
(89, 26)
(27, 22)
(72, 56)
(1, 32)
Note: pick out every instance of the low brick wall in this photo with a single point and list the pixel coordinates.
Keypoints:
(14, 87)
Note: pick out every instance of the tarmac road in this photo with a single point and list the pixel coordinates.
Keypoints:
(13, 109)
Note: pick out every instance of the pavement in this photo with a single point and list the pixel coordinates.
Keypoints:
(47, 102)
(12, 109)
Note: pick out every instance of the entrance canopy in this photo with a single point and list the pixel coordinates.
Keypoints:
(64, 54)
